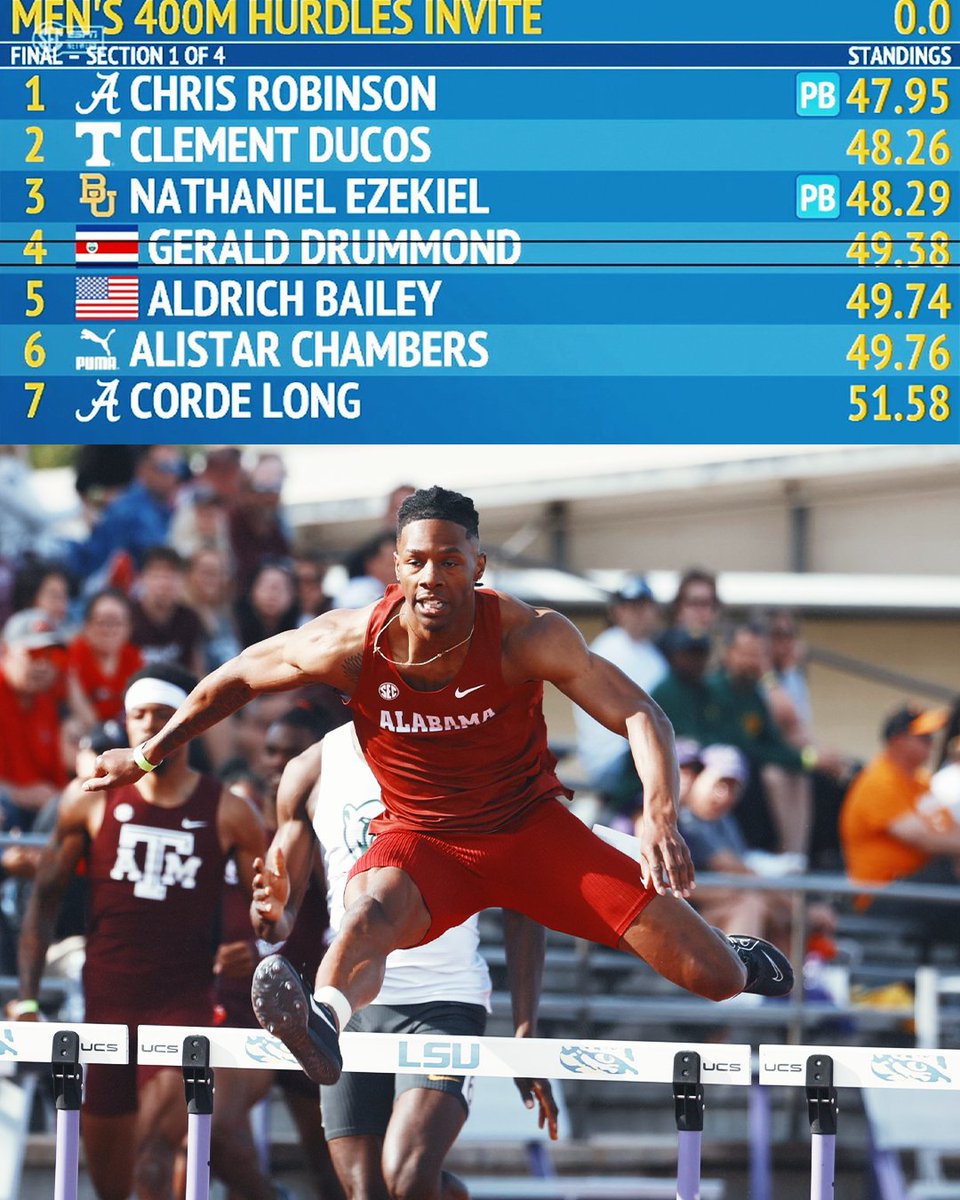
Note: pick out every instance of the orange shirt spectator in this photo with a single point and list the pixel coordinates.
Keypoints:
(885, 832)
(880, 794)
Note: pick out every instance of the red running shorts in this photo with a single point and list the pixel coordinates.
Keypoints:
(548, 865)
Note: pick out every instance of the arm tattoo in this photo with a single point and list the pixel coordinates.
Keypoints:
(351, 665)
(231, 695)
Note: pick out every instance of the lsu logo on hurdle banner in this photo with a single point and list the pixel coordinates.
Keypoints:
(591, 1060)
(263, 1049)
(893, 1067)
(443, 1056)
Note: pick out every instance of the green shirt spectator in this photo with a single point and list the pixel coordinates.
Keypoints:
(740, 717)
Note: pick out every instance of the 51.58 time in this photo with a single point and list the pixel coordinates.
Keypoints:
(919, 403)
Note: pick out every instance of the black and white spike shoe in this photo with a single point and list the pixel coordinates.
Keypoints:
(284, 1007)
(768, 970)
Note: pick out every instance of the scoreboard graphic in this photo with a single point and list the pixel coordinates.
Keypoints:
(487, 221)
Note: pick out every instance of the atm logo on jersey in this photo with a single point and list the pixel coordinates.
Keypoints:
(167, 860)
(398, 721)
(442, 1056)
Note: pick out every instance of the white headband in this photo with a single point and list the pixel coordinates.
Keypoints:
(153, 691)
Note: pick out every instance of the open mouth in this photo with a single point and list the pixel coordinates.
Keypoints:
(431, 606)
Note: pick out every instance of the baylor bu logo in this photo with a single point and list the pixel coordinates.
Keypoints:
(168, 860)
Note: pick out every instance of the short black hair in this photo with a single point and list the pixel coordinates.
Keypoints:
(307, 719)
(166, 555)
(169, 672)
(753, 628)
(355, 563)
(111, 593)
(439, 504)
(31, 576)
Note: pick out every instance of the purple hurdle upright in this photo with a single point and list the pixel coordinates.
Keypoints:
(822, 1111)
(67, 1091)
(688, 1107)
(198, 1085)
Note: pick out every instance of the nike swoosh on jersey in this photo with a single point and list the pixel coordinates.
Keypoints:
(461, 692)
(186, 823)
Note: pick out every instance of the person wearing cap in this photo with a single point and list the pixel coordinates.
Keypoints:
(682, 693)
(889, 830)
(712, 780)
(32, 769)
(626, 643)
(156, 853)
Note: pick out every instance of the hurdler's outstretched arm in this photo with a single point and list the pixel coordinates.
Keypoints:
(327, 650)
(282, 875)
(541, 644)
(59, 859)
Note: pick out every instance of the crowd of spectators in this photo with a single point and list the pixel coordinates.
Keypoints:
(720, 683)
(758, 793)
(188, 561)
(181, 562)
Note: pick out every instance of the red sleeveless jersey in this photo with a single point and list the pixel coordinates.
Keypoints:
(156, 875)
(468, 758)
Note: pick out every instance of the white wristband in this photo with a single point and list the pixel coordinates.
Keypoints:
(20, 1008)
(142, 761)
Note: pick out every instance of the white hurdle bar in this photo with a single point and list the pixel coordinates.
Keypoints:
(682, 1065)
(65, 1049)
(822, 1069)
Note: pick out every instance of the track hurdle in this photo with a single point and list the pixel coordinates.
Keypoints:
(822, 1069)
(65, 1050)
(683, 1066)
(198, 1084)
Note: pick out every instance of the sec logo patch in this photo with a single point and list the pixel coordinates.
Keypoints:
(388, 691)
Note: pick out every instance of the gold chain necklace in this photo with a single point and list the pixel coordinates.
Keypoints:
(410, 663)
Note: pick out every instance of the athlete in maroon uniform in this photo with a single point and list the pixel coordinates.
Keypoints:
(155, 878)
(470, 822)
(156, 853)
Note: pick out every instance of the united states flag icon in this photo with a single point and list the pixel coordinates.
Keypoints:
(107, 298)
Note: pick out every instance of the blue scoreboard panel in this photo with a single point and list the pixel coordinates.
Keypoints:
(368, 221)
